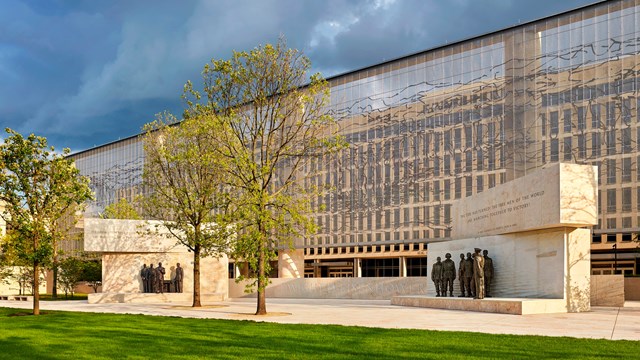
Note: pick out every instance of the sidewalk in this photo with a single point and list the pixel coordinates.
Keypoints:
(600, 322)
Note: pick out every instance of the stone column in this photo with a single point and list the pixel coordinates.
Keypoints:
(357, 267)
(403, 266)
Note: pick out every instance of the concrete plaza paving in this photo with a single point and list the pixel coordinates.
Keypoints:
(601, 322)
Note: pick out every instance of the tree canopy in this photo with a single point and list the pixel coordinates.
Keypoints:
(275, 120)
(184, 174)
(39, 187)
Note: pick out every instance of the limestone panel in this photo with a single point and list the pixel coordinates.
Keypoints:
(607, 290)
(121, 271)
(337, 288)
(556, 196)
(577, 273)
(552, 264)
(291, 263)
(529, 264)
(134, 236)
(632, 288)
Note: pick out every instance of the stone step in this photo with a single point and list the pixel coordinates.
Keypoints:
(515, 306)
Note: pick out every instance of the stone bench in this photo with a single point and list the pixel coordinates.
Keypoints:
(15, 298)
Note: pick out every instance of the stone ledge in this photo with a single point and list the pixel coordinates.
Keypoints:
(490, 305)
(144, 298)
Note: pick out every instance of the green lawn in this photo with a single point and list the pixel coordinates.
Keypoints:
(61, 296)
(67, 335)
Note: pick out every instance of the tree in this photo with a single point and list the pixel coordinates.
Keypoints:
(92, 273)
(71, 270)
(62, 228)
(182, 174)
(6, 270)
(122, 209)
(276, 121)
(38, 187)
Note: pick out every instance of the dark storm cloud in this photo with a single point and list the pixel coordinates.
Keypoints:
(85, 73)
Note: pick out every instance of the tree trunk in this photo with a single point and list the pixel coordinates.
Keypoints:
(196, 277)
(36, 287)
(262, 298)
(54, 290)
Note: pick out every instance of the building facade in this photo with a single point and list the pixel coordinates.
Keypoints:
(449, 122)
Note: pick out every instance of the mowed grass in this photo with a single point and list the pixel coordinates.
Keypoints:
(66, 335)
(62, 296)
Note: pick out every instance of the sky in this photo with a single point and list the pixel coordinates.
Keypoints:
(84, 73)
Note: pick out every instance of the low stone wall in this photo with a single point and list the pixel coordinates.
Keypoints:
(143, 298)
(607, 290)
(337, 288)
(632, 288)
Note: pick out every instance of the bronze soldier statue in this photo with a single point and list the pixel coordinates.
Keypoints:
(151, 278)
(478, 273)
(436, 276)
(448, 275)
(468, 274)
(461, 275)
(160, 278)
(178, 279)
(144, 275)
(488, 273)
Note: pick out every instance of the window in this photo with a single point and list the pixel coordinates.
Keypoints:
(417, 266)
(582, 119)
(479, 184)
(381, 267)
(553, 123)
(554, 150)
(595, 145)
(610, 138)
(626, 199)
(611, 200)
(611, 114)
(626, 170)
(611, 171)
(567, 120)
(468, 166)
(492, 180)
(595, 116)
(567, 149)
(468, 137)
(582, 146)
(626, 140)
(457, 138)
(447, 189)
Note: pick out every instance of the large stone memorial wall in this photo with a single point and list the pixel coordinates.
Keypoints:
(535, 229)
(126, 245)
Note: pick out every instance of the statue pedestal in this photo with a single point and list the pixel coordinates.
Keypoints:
(519, 306)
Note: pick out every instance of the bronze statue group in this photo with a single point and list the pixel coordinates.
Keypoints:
(153, 278)
(475, 273)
